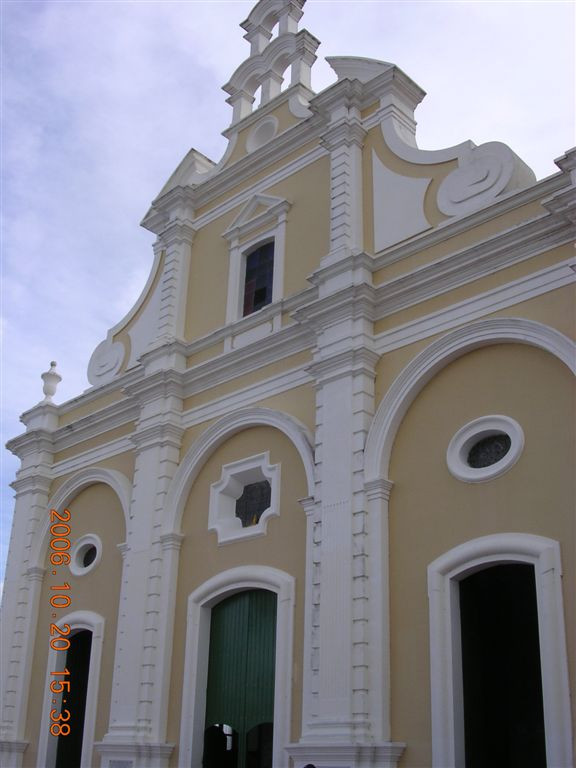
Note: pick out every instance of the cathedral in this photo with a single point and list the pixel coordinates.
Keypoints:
(316, 509)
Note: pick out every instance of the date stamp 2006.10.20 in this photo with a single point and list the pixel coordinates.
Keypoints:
(60, 599)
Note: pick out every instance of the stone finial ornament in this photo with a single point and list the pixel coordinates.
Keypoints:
(51, 380)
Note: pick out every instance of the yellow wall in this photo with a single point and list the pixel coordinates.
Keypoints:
(432, 512)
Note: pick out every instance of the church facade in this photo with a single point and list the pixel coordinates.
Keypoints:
(317, 507)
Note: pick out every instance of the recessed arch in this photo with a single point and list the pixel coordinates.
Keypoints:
(68, 491)
(215, 436)
(437, 355)
(200, 602)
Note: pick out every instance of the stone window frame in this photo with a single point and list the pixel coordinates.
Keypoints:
(78, 549)
(225, 492)
(474, 431)
(262, 220)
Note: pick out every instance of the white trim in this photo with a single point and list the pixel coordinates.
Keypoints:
(443, 575)
(224, 494)
(421, 369)
(69, 489)
(81, 460)
(247, 396)
(46, 744)
(460, 445)
(525, 288)
(197, 647)
(217, 434)
(76, 553)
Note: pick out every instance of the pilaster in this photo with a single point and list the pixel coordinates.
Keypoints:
(176, 241)
(344, 139)
(23, 577)
(141, 675)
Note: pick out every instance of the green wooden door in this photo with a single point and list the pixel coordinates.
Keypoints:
(240, 691)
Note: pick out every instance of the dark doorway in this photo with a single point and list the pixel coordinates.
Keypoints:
(502, 679)
(69, 750)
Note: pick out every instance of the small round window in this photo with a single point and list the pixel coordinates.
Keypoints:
(85, 554)
(485, 448)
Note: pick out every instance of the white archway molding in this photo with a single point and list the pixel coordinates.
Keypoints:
(68, 491)
(77, 620)
(443, 577)
(436, 356)
(200, 603)
(217, 434)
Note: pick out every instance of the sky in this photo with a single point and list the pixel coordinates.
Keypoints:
(101, 99)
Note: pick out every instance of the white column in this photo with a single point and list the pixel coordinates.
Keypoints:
(23, 579)
(176, 240)
(141, 666)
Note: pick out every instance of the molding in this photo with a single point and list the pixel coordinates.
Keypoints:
(226, 491)
(132, 755)
(247, 396)
(421, 369)
(93, 456)
(197, 647)
(461, 267)
(77, 568)
(216, 435)
(12, 752)
(523, 289)
(342, 755)
(228, 366)
(69, 489)
(443, 574)
(451, 228)
(460, 445)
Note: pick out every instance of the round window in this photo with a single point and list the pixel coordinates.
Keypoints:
(85, 554)
(485, 448)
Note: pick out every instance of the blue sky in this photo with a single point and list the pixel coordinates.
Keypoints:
(102, 98)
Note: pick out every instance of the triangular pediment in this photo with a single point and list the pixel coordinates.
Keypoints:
(259, 210)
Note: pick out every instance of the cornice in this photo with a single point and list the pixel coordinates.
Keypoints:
(95, 424)
(94, 394)
(347, 93)
(165, 433)
(228, 366)
(501, 251)
(346, 133)
(31, 442)
(450, 228)
(351, 362)
(350, 263)
(160, 384)
(178, 232)
(32, 480)
(353, 302)
(563, 205)
(277, 149)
